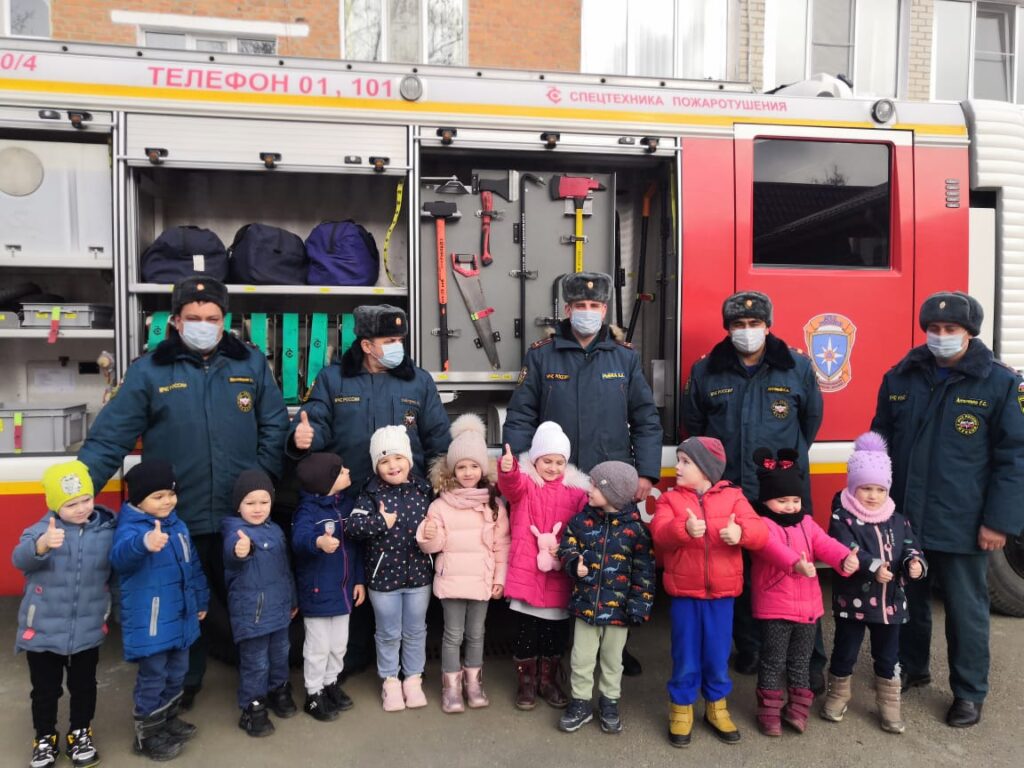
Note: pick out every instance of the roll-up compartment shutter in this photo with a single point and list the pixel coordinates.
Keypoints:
(237, 143)
(56, 117)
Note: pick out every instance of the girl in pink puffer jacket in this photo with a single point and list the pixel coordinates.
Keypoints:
(467, 528)
(785, 593)
(543, 490)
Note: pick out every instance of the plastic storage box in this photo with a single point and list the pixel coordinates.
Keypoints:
(49, 428)
(9, 319)
(71, 315)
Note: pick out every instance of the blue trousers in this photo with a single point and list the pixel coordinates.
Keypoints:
(161, 677)
(262, 666)
(701, 641)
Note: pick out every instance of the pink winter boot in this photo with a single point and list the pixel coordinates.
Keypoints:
(476, 697)
(412, 687)
(451, 692)
(769, 711)
(391, 694)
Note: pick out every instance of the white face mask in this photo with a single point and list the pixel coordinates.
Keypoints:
(747, 340)
(200, 336)
(945, 346)
(586, 322)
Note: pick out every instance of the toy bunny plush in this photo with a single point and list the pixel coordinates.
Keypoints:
(545, 542)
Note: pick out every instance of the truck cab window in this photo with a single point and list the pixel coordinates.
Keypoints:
(821, 204)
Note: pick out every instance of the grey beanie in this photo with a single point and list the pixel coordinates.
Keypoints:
(587, 286)
(616, 480)
(952, 307)
(747, 304)
(707, 453)
(374, 321)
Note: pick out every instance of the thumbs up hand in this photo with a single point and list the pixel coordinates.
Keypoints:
(156, 539)
(507, 460)
(389, 517)
(304, 432)
(52, 538)
(883, 575)
(243, 546)
(327, 543)
(581, 568)
(804, 568)
(429, 529)
(695, 526)
(851, 562)
(732, 533)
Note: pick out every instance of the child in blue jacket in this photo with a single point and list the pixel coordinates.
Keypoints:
(329, 576)
(163, 598)
(62, 620)
(261, 603)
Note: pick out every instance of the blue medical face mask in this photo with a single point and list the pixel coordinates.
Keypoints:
(945, 346)
(199, 335)
(393, 355)
(748, 340)
(586, 322)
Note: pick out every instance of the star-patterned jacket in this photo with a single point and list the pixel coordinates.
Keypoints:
(391, 556)
(616, 548)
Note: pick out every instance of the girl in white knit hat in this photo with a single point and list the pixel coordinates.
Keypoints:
(467, 529)
(545, 491)
(386, 516)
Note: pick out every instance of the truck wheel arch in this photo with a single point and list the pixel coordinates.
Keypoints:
(1006, 578)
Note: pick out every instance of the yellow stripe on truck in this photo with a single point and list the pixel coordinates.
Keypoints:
(33, 488)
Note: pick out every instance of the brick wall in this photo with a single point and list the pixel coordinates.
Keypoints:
(89, 20)
(751, 43)
(526, 34)
(919, 59)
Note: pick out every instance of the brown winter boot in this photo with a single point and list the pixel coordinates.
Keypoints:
(798, 709)
(680, 724)
(716, 715)
(451, 692)
(887, 697)
(526, 690)
(473, 678)
(549, 687)
(769, 711)
(838, 698)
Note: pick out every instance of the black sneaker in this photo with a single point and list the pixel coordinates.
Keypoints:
(44, 751)
(318, 707)
(337, 698)
(80, 748)
(255, 720)
(908, 681)
(576, 715)
(281, 702)
(608, 715)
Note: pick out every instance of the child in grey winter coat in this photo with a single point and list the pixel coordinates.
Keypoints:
(62, 620)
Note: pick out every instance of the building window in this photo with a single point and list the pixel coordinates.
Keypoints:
(858, 39)
(821, 204)
(190, 41)
(25, 18)
(975, 51)
(407, 31)
(689, 39)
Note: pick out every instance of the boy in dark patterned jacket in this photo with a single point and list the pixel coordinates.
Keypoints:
(606, 550)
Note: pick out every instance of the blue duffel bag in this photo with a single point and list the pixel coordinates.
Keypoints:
(342, 253)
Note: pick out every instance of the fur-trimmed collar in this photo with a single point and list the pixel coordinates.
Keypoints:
(976, 363)
(441, 478)
(352, 365)
(573, 477)
(563, 335)
(172, 349)
(724, 358)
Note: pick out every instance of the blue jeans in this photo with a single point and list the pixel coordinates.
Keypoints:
(401, 617)
(701, 633)
(262, 666)
(161, 677)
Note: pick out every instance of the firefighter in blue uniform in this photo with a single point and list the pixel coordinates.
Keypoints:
(589, 381)
(208, 403)
(373, 384)
(954, 419)
(754, 390)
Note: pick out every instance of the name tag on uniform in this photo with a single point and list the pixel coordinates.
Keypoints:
(613, 375)
(897, 397)
(720, 392)
(972, 401)
(241, 380)
(779, 388)
(347, 399)
(172, 387)
(556, 376)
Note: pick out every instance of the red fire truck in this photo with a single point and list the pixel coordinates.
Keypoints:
(847, 211)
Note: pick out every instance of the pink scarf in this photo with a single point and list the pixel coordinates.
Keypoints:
(466, 498)
(857, 509)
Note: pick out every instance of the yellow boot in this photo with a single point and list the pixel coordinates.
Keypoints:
(680, 723)
(716, 714)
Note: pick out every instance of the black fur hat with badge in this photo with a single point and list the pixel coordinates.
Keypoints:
(587, 286)
(375, 321)
(952, 307)
(747, 304)
(199, 288)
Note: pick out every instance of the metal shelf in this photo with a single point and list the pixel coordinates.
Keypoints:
(23, 262)
(285, 290)
(63, 333)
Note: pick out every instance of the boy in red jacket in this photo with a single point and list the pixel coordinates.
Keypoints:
(699, 528)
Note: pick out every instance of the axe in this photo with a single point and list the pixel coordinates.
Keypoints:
(508, 190)
(577, 189)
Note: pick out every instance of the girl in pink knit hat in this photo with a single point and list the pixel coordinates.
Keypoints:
(467, 529)
(864, 518)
